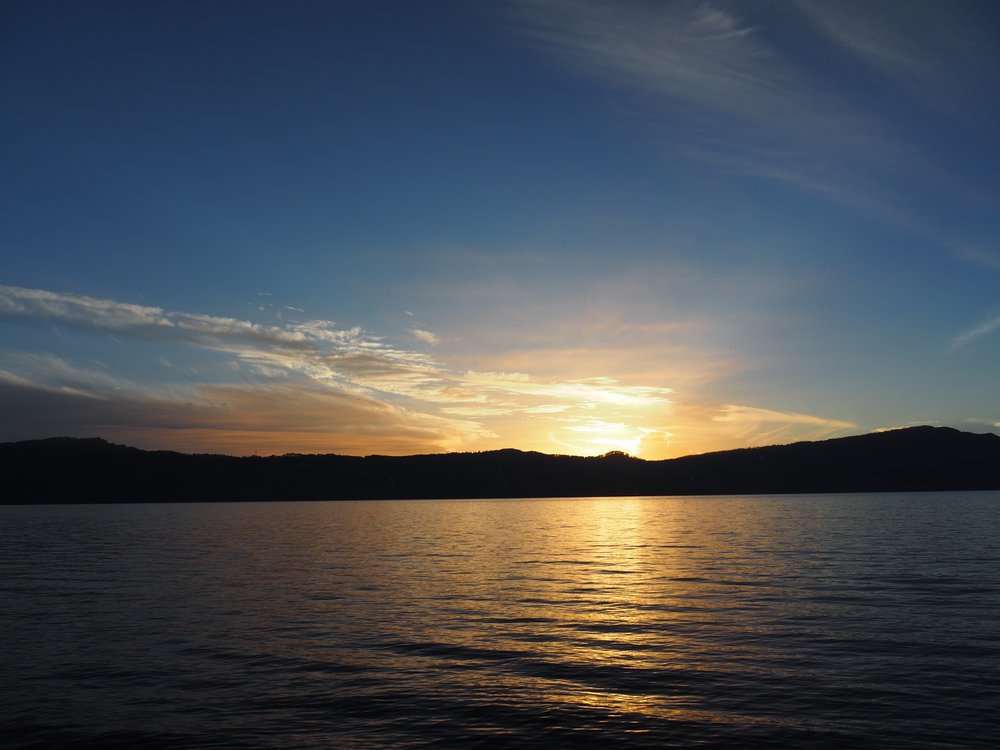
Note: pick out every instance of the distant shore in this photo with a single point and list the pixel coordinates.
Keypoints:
(82, 470)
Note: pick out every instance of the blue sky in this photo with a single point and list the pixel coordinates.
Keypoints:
(394, 227)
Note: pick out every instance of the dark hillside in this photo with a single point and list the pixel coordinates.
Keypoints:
(93, 470)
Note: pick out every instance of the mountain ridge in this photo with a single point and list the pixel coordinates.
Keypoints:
(74, 470)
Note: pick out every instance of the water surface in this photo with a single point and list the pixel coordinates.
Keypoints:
(805, 621)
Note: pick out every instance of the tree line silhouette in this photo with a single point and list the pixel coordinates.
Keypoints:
(80, 470)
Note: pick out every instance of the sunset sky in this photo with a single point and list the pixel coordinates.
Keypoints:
(558, 225)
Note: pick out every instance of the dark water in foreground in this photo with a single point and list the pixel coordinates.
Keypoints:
(808, 621)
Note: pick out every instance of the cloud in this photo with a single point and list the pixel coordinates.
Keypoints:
(689, 51)
(726, 91)
(582, 416)
(310, 386)
(757, 426)
(981, 255)
(699, 53)
(306, 377)
(426, 336)
(51, 397)
(983, 329)
(755, 415)
(914, 423)
(476, 411)
(934, 49)
(316, 349)
(598, 390)
(737, 87)
(139, 320)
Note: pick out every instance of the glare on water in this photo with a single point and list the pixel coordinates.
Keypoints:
(858, 619)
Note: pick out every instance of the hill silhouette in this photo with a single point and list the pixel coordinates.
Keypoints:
(80, 470)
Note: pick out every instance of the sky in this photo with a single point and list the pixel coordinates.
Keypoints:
(567, 226)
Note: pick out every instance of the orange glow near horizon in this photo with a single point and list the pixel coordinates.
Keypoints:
(588, 429)
(312, 387)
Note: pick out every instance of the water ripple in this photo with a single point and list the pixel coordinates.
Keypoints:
(813, 621)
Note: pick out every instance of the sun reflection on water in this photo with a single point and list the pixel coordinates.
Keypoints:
(678, 621)
(595, 605)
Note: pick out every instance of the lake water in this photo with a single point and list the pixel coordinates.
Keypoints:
(787, 621)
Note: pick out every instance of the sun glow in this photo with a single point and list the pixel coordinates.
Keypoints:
(313, 387)
(598, 436)
(582, 416)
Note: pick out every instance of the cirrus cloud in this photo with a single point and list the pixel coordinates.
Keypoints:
(309, 385)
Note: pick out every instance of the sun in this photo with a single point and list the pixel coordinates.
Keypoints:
(596, 436)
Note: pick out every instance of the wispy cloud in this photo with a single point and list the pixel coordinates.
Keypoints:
(914, 423)
(138, 320)
(302, 377)
(311, 386)
(932, 48)
(316, 349)
(428, 337)
(733, 87)
(592, 391)
(700, 53)
(43, 395)
(756, 415)
(986, 256)
(983, 329)
(687, 50)
(759, 426)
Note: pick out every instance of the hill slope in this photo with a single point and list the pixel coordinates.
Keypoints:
(93, 470)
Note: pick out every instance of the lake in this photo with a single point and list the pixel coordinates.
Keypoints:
(750, 621)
